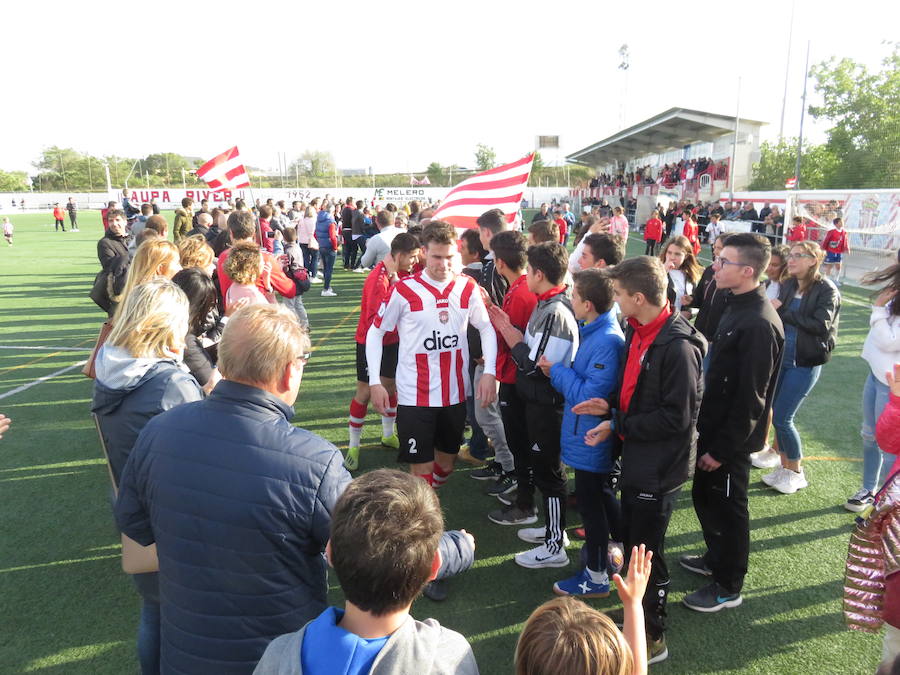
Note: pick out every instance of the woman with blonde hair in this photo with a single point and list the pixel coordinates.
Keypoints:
(677, 256)
(194, 251)
(140, 375)
(809, 305)
(153, 258)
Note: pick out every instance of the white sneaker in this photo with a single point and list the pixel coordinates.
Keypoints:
(771, 478)
(535, 535)
(329, 293)
(541, 557)
(765, 459)
(361, 270)
(315, 280)
(790, 482)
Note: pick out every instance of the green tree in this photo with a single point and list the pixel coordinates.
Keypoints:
(14, 181)
(778, 162)
(313, 164)
(537, 170)
(166, 167)
(864, 108)
(485, 157)
(435, 173)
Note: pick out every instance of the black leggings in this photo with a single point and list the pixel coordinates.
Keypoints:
(600, 513)
(651, 247)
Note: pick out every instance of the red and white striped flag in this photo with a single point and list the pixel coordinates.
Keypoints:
(791, 183)
(497, 188)
(225, 171)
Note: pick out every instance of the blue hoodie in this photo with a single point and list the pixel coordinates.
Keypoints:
(594, 373)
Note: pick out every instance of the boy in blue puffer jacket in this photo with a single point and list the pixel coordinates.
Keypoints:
(594, 373)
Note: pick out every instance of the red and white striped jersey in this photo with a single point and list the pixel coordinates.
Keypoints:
(432, 318)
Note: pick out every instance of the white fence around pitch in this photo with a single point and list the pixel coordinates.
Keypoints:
(170, 198)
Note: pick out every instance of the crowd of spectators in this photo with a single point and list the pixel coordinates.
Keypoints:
(667, 175)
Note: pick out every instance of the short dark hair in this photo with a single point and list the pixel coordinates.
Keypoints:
(265, 211)
(384, 218)
(595, 286)
(544, 230)
(360, 203)
(348, 201)
(404, 243)
(510, 247)
(157, 223)
(473, 242)
(607, 247)
(241, 224)
(290, 235)
(385, 530)
(493, 220)
(440, 232)
(146, 209)
(390, 206)
(114, 213)
(186, 202)
(551, 259)
(753, 250)
(643, 274)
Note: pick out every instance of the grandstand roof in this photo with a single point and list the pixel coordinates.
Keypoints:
(671, 129)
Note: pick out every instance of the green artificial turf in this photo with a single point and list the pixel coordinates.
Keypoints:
(68, 608)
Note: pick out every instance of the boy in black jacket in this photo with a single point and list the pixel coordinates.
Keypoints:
(660, 387)
(740, 385)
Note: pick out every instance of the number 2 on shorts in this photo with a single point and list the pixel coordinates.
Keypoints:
(412, 446)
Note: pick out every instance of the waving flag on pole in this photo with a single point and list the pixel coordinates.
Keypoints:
(225, 171)
(497, 188)
(791, 183)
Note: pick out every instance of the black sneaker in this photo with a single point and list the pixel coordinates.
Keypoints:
(508, 498)
(695, 564)
(712, 598)
(491, 471)
(505, 484)
(513, 515)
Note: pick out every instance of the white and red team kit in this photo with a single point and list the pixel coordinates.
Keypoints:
(431, 318)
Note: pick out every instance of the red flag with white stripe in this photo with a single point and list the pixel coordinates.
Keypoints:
(791, 183)
(497, 188)
(225, 171)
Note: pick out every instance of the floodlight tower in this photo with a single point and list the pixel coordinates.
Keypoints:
(624, 65)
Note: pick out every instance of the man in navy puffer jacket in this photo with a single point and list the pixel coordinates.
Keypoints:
(239, 502)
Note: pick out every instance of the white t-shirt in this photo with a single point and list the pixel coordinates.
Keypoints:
(772, 289)
(682, 287)
(431, 318)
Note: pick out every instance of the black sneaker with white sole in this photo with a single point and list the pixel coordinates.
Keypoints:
(513, 515)
(860, 501)
(490, 471)
(505, 484)
(508, 498)
(696, 564)
(712, 598)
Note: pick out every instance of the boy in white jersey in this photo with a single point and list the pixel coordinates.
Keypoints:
(431, 311)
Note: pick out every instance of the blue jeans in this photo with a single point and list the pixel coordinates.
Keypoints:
(310, 259)
(148, 627)
(794, 383)
(876, 462)
(327, 256)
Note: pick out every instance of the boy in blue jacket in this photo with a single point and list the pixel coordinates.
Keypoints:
(593, 373)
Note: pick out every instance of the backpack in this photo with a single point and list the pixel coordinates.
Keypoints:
(298, 274)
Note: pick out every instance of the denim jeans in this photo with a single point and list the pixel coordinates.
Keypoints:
(148, 640)
(794, 383)
(328, 256)
(876, 463)
(310, 259)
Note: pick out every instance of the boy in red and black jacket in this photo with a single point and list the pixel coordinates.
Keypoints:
(835, 244)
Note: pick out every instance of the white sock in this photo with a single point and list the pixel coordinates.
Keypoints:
(355, 434)
(387, 423)
(598, 577)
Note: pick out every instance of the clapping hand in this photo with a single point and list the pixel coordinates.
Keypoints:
(593, 406)
(598, 434)
(893, 380)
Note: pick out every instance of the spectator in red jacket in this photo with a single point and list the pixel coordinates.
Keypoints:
(798, 230)
(243, 229)
(59, 213)
(653, 230)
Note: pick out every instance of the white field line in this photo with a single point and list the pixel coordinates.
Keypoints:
(29, 385)
(48, 349)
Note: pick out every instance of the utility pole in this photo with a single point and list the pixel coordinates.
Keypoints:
(63, 170)
(802, 117)
(787, 71)
(90, 179)
(737, 124)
